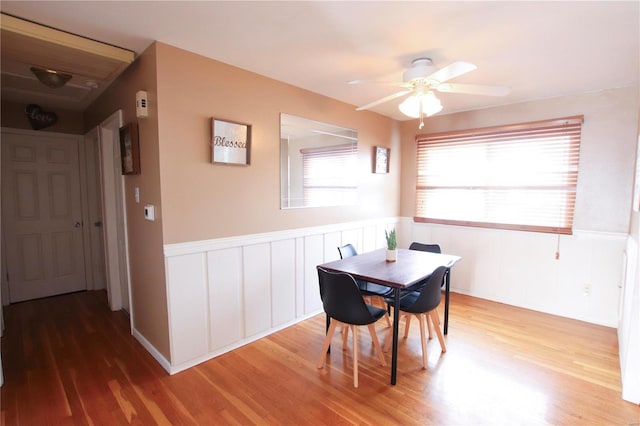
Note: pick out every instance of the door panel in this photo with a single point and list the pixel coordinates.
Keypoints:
(41, 215)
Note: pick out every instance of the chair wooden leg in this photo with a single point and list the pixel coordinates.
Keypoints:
(406, 325)
(434, 316)
(437, 316)
(376, 344)
(388, 340)
(345, 335)
(355, 355)
(386, 317)
(429, 326)
(423, 339)
(327, 342)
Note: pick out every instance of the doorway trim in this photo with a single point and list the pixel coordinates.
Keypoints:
(114, 215)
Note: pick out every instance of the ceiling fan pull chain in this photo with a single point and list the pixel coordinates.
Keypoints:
(421, 115)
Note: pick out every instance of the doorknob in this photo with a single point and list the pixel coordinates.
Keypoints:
(77, 225)
(97, 224)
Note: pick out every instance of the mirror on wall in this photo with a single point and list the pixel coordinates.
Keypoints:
(318, 163)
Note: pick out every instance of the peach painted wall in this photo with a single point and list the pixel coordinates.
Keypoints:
(146, 256)
(13, 115)
(204, 201)
(607, 153)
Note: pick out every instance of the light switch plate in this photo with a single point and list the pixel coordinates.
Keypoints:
(150, 212)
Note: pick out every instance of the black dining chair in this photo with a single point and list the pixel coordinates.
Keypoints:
(431, 248)
(369, 290)
(423, 305)
(343, 304)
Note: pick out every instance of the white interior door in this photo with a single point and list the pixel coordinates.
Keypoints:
(41, 215)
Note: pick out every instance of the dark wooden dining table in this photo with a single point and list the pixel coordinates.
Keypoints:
(411, 267)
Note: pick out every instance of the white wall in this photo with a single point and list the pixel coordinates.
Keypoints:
(629, 326)
(520, 268)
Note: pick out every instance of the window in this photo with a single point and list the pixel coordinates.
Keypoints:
(322, 186)
(519, 177)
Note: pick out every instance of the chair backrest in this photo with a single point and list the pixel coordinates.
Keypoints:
(341, 298)
(431, 248)
(347, 250)
(430, 295)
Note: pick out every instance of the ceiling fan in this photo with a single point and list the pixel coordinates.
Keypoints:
(422, 79)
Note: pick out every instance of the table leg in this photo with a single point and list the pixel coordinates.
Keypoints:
(396, 320)
(446, 301)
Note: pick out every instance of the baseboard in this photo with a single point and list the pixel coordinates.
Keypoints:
(587, 320)
(210, 355)
(152, 350)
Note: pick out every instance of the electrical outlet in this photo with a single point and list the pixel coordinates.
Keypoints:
(586, 290)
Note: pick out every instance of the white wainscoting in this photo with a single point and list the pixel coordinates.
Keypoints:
(520, 268)
(227, 292)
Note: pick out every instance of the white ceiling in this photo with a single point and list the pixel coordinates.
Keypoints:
(538, 49)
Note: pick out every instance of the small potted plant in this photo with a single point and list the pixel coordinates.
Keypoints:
(392, 245)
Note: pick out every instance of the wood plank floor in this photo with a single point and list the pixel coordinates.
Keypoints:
(69, 360)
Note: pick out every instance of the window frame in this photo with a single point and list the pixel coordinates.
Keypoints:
(572, 126)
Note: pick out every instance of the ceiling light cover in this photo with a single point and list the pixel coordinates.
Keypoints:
(430, 105)
(51, 78)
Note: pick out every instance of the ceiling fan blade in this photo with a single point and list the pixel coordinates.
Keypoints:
(383, 100)
(383, 83)
(454, 70)
(473, 89)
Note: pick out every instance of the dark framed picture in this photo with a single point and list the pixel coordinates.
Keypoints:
(231, 142)
(380, 159)
(130, 149)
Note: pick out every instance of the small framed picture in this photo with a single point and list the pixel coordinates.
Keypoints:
(130, 149)
(381, 160)
(231, 142)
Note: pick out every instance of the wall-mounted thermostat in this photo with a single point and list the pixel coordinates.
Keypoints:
(142, 108)
(150, 212)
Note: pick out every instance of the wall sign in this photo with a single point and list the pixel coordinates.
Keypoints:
(231, 142)
(39, 118)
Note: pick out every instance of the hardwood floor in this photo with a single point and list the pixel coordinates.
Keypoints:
(69, 360)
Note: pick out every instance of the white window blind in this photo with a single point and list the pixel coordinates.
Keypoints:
(329, 175)
(521, 177)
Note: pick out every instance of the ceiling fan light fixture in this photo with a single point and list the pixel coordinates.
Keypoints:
(430, 105)
(51, 78)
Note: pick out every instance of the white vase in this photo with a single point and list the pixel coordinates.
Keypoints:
(392, 255)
